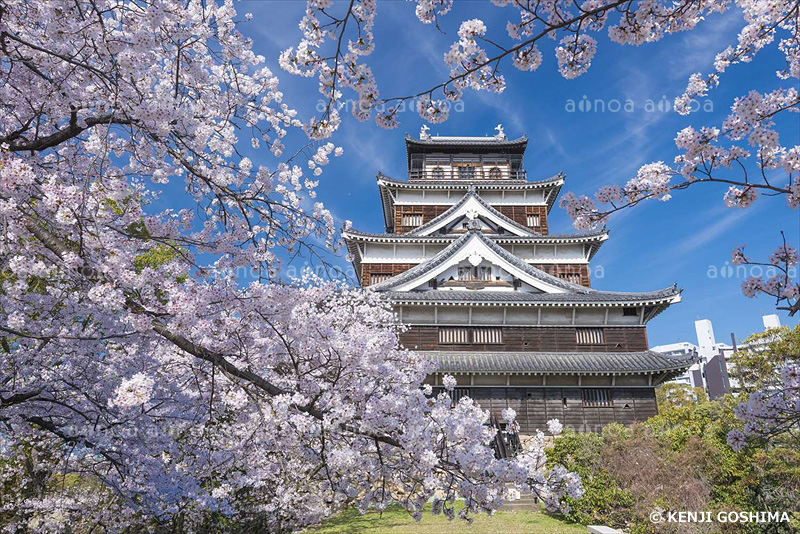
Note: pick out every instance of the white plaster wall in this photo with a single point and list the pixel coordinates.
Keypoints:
(556, 316)
(591, 316)
(487, 315)
(418, 314)
(521, 316)
(615, 317)
(572, 253)
(453, 314)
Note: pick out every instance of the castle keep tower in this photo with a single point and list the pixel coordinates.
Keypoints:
(500, 303)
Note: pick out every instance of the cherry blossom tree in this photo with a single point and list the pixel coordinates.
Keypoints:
(744, 155)
(768, 372)
(155, 372)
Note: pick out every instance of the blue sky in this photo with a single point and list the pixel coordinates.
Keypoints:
(686, 240)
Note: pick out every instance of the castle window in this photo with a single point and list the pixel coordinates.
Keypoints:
(412, 219)
(437, 173)
(466, 172)
(470, 336)
(453, 336)
(597, 398)
(573, 278)
(494, 173)
(589, 336)
(376, 278)
(472, 274)
(630, 312)
(487, 336)
(533, 219)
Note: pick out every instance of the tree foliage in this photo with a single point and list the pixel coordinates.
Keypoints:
(768, 372)
(679, 461)
(155, 374)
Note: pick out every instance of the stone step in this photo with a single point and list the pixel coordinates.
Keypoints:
(514, 506)
(527, 501)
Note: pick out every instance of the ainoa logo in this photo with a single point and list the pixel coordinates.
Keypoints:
(600, 105)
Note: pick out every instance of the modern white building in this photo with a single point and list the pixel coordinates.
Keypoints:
(711, 370)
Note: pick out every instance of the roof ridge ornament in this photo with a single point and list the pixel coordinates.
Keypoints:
(500, 133)
(423, 132)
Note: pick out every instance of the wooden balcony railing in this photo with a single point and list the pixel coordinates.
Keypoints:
(453, 174)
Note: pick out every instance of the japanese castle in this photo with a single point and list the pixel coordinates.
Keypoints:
(500, 303)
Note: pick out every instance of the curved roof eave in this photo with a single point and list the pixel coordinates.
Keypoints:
(598, 236)
(420, 270)
(661, 297)
(429, 265)
(554, 181)
(471, 194)
(589, 363)
(448, 143)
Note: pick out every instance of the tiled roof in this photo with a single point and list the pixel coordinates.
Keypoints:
(471, 194)
(575, 293)
(521, 297)
(387, 200)
(455, 246)
(467, 141)
(353, 237)
(553, 181)
(601, 363)
(504, 238)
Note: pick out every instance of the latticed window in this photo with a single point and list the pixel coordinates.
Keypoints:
(487, 336)
(466, 172)
(597, 397)
(533, 219)
(437, 173)
(589, 336)
(453, 336)
(412, 219)
(376, 278)
(469, 273)
(574, 278)
(494, 173)
(470, 336)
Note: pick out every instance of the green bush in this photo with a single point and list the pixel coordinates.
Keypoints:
(604, 501)
(678, 460)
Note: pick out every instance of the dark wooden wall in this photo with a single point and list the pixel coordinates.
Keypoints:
(382, 268)
(517, 213)
(535, 406)
(520, 215)
(566, 271)
(428, 213)
(534, 339)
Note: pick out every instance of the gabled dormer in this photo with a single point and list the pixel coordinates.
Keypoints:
(472, 212)
(475, 262)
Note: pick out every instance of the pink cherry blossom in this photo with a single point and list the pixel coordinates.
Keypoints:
(737, 256)
(156, 349)
(555, 427)
(752, 285)
(784, 254)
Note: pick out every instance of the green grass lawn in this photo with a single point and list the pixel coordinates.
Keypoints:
(396, 520)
